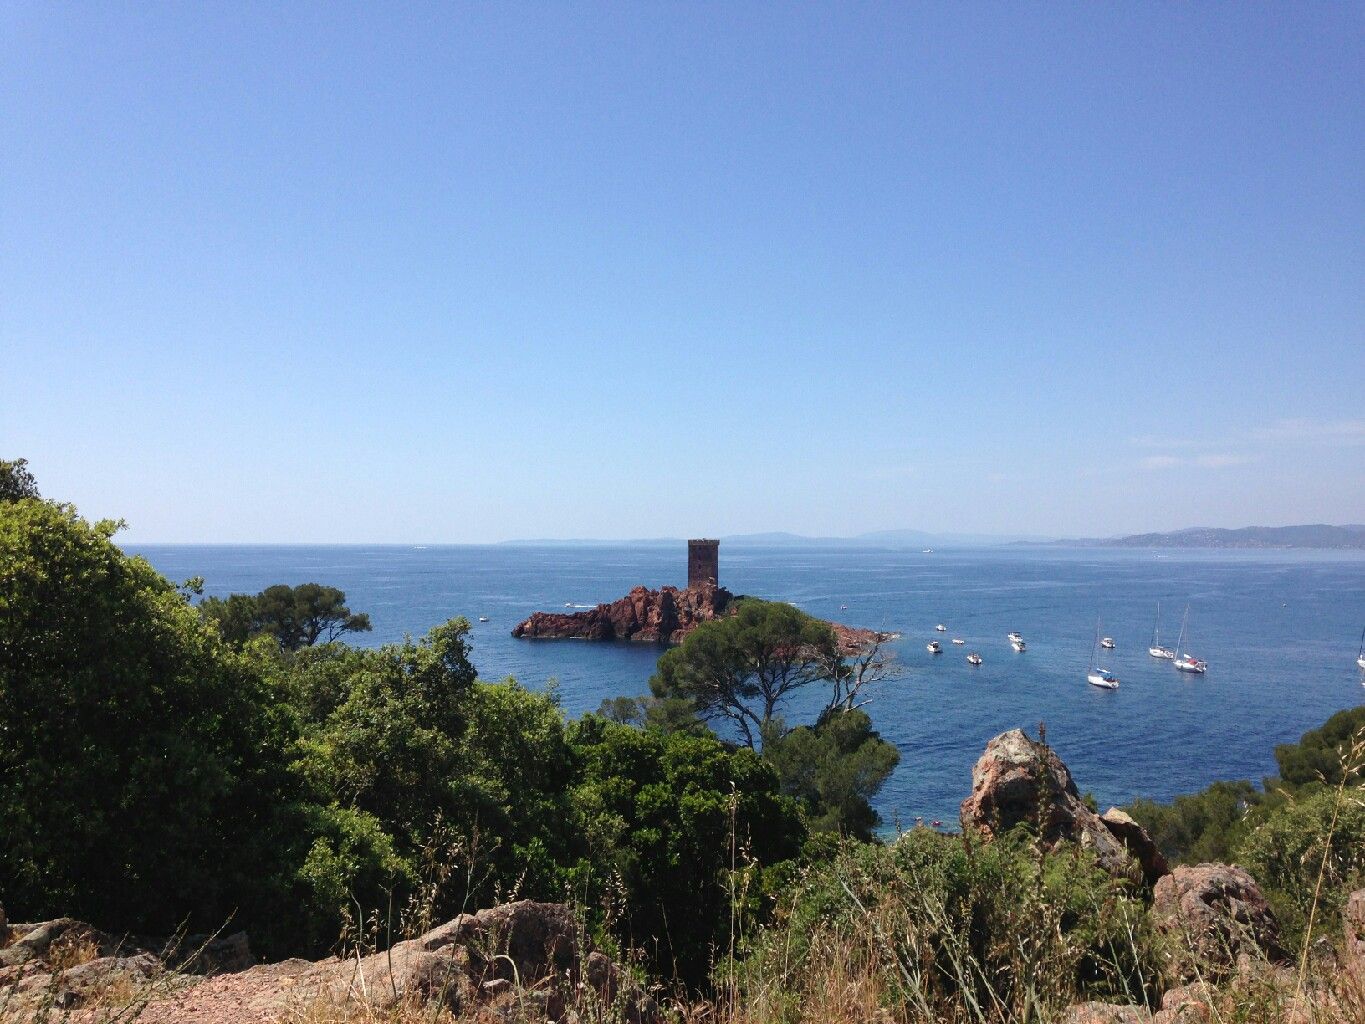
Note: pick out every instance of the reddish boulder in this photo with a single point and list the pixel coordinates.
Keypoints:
(1138, 843)
(1216, 913)
(1018, 780)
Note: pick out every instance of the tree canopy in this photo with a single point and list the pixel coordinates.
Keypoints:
(296, 617)
(16, 482)
(743, 666)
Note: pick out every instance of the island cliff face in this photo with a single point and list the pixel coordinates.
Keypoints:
(663, 616)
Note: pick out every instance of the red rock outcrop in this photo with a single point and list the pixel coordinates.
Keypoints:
(663, 616)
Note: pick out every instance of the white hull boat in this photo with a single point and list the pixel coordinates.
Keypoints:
(933, 647)
(959, 641)
(973, 659)
(1156, 650)
(1102, 678)
(1107, 643)
(1019, 645)
(1098, 676)
(1187, 662)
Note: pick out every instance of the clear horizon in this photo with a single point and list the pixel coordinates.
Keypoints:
(287, 274)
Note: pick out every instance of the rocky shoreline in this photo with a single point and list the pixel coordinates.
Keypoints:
(664, 616)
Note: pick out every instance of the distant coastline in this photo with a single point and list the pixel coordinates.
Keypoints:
(1312, 536)
(1316, 536)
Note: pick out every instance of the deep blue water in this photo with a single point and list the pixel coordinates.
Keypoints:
(1279, 630)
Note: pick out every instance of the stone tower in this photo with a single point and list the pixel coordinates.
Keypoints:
(703, 562)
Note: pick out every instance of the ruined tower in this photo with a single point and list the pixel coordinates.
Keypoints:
(703, 562)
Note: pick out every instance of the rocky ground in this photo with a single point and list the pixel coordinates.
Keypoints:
(529, 961)
(522, 961)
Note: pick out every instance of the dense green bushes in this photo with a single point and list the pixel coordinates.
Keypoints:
(153, 775)
(935, 924)
(139, 755)
(1302, 837)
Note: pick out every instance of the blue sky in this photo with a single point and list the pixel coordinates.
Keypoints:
(466, 273)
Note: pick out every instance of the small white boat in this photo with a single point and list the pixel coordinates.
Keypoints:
(933, 647)
(959, 641)
(1018, 644)
(1107, 643)
(483, 618)
(568, 604)
(941, 628)
(1187, 662)
(1156, 650)
(973, 659)
(1014, 636)
(927, 551)
(1360, 658)
(1099, 676)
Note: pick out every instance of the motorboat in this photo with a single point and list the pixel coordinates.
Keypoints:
(1156, 650)
(973, 659)
(1360, 658)
(933, 647)
(1017, 642)
(483, 618)
(959, 641)
(1107, 643)
(941, 628)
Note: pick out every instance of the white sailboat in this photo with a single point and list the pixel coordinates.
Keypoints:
(1156, 650)
(1360, 658)
(1098, 676)
(1187, 662)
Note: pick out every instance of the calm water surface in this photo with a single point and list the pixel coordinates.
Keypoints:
(1279, 630)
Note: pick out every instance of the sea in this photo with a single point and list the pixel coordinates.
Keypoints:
(1279, 629)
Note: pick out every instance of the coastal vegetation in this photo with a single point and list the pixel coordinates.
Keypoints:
(172, 765)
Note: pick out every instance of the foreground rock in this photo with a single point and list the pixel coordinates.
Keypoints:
(1018, 780)
(1138, 843)
(1216, 915)
(1353, 924)
(525, 961)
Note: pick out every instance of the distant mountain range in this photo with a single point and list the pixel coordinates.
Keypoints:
(1311, 536)
(886, 539)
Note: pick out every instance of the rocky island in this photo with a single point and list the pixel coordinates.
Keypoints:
(666, 615)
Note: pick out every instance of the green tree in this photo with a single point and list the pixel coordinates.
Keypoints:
(672, 818)
(1203, 826)
(16, 482)
(835, 768)
(1319, 756)
(297, 617)
(142, 775)
(743, 666)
